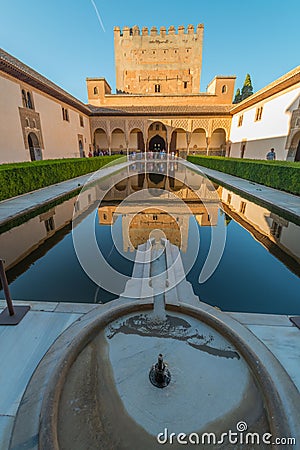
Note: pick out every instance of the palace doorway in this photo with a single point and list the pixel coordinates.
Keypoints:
(297, 156)
(157, 144)
(34, 147)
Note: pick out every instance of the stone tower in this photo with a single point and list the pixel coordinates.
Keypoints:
(158, 63)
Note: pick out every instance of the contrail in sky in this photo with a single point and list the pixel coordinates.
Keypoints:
(98, 15)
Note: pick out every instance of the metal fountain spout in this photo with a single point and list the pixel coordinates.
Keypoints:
(159, 374)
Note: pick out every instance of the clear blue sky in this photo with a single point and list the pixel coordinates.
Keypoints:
(63, 39)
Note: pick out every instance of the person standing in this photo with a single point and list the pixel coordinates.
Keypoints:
(271, 155)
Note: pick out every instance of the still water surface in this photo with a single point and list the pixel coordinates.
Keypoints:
(258, 272)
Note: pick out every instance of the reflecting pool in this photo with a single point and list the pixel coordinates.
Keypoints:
(258, 271)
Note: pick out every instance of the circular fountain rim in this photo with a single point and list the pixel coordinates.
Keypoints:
(279, 400)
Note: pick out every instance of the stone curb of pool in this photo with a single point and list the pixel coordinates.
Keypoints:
(38, 411)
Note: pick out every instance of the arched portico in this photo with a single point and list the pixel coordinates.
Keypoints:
(118, 141)
(136, 140)
(156, 130)
(198, 142)
(100, 140)
(217, 145)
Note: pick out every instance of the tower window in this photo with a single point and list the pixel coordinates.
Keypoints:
(157, 88)
(185, 84)
(96, 90)
(224, 89)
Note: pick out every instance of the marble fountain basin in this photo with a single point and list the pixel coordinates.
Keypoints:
(92, 389)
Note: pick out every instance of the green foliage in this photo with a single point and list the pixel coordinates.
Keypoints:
(238, 97)
(19, 178)
(282, 175)
(247, 89)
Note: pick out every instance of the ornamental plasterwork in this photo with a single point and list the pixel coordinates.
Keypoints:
(221, 123)
(136, 123)
(97, 122)
(180, 123)
(201, 123)
(117, 123)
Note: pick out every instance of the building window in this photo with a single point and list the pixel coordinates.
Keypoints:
(157, 88)
(49, 224)
(258, 113)
(229, 199)
(24, 98)
(29, 101)
(157, 127)
(185, 84)
(155, 217)
(27, 124)
(243, 207)
(224, 89)
(240, 121)
(81, 121)
(96, 90)
(65, 114)
(276, 230)
(33, 123)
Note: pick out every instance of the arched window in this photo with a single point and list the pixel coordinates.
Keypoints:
(27, 122)
(224, 89)
(24, 98)
(33, 123)
(96, 90)
(157, 88)
(29, 101)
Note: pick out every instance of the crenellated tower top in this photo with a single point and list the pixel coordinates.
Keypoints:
(153, 31)
(158, 61)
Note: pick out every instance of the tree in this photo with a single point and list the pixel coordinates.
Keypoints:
(247, 89)
(238, 97)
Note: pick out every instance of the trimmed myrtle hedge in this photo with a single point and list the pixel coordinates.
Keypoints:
(282, 175)
(19, 178)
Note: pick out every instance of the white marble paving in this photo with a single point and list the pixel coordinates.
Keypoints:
(78, 308)
(21, 349)
(284, 343)
(262, 319)
(35, 306)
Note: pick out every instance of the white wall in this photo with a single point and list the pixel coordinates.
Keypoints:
(12, 147)
(270, 131)
(60, 136)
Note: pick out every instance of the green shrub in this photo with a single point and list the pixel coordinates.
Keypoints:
(282, 175)
(19, 178)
